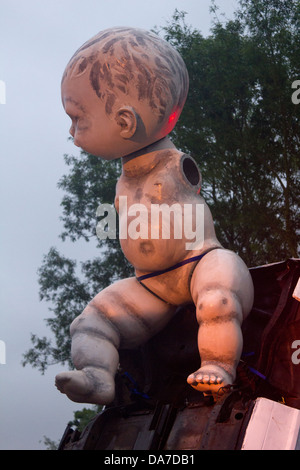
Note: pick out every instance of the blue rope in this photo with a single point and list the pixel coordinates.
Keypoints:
(256, 372)
(135, 390)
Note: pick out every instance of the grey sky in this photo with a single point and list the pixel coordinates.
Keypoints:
(37, 38)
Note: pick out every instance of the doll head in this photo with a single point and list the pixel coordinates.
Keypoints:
(124, 89)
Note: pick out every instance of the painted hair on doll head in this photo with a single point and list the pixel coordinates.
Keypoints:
(133, 63)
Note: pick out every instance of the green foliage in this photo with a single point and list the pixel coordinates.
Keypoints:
(50, 444)
(241, 126)
(84, 416)
(91, 181)
(59, 286)
(81, 419)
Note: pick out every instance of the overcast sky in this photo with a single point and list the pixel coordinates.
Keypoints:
(37, 38)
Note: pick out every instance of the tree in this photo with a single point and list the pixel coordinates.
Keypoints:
(84, 416)
(274, 28)
(241, 126)
(50, 444)
(89, 182)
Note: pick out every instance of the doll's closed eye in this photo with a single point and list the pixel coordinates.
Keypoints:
(73, 117)
(80, 123)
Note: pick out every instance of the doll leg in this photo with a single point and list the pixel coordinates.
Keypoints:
(124, 315)
(222, 290)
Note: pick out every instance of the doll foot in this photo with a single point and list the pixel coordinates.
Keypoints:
(210, 379)
(89, 385)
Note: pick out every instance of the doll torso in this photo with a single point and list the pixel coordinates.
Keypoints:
(170, 181)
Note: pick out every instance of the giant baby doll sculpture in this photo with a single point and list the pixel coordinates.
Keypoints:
(124, 90)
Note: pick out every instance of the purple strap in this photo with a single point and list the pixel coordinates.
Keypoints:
(175, 266)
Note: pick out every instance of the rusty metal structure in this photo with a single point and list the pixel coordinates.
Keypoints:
(155, 409)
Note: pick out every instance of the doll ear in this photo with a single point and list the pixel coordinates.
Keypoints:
(127, 120)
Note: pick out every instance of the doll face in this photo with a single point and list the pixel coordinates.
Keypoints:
(113, 135)
(109, 136)
(91, 128)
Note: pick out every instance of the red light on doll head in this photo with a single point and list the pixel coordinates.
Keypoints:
(172, 117)
(172, 120)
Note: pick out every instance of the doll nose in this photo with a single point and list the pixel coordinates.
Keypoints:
(72, 132)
